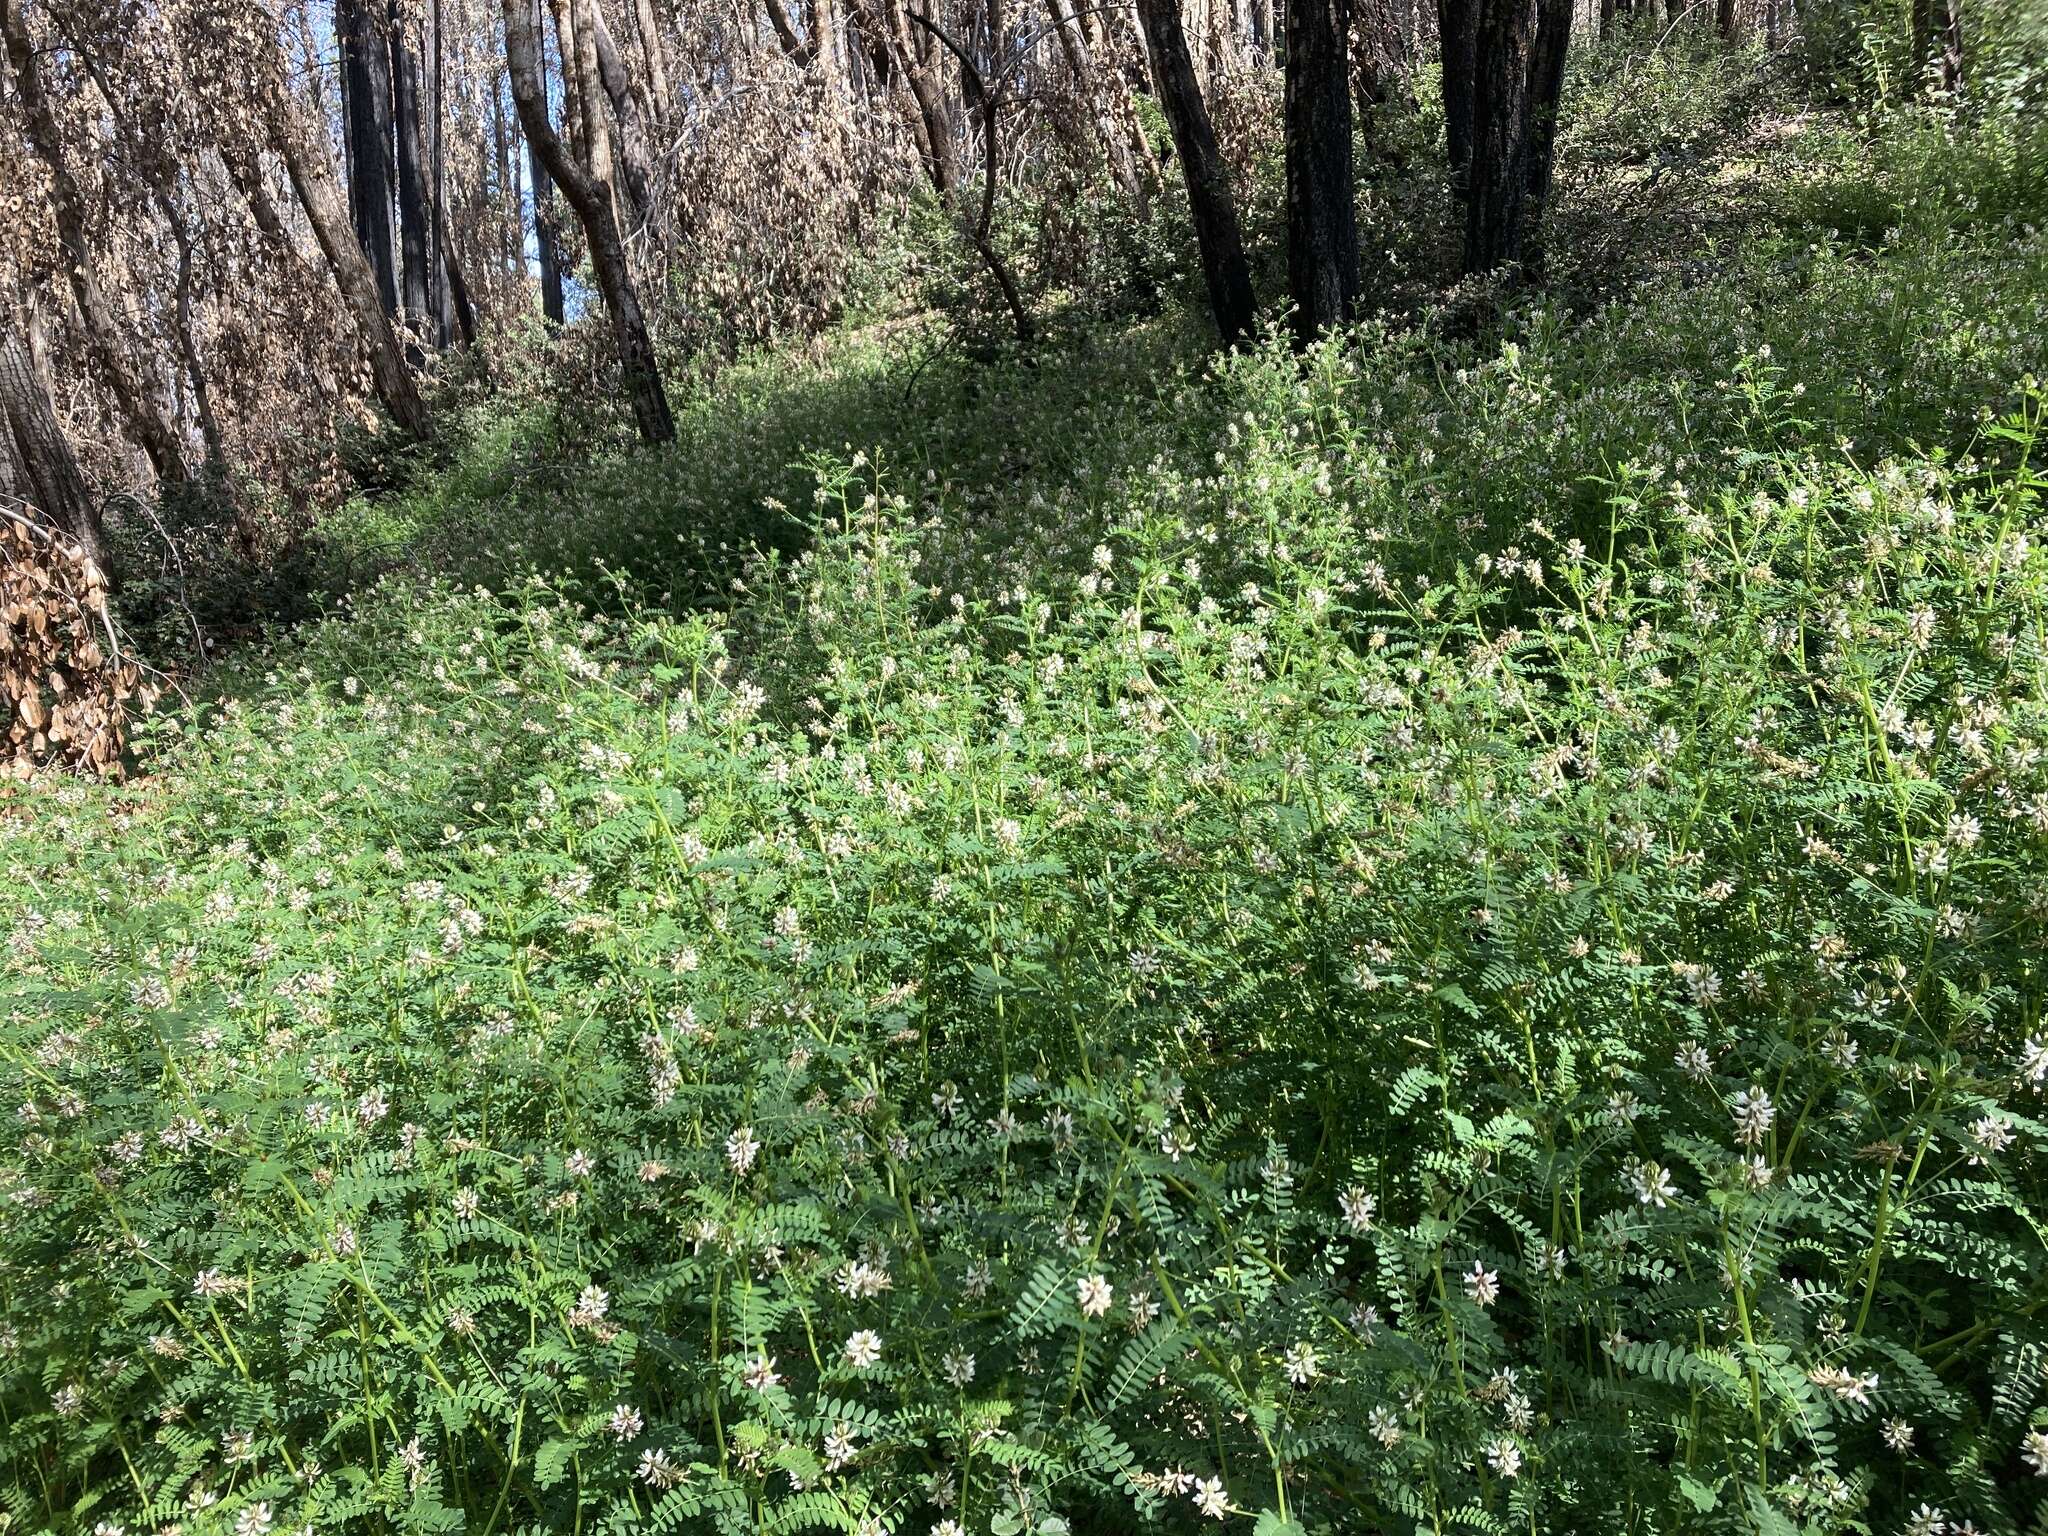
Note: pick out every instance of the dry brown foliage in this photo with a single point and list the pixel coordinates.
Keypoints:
(66, 690)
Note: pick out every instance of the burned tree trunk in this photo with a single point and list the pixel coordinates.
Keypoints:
(1458, 33)
(1499, 180)
(1517, 88)
(1546, 93)
(366, 133)
(1322, 227)
(418, 283)
(1208, 182)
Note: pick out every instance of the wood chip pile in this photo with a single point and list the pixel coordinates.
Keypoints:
(66, 691)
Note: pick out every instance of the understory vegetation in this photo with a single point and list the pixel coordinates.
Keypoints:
(1440, 935)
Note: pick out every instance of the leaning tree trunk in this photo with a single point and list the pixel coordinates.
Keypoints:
(1499, 184)
(592, 202)
(1457, 24)
(635, 161)
(1322, 222)
(155, 436)
(1208, 181)
(312, 177)
(1100, 92)
(55, 484)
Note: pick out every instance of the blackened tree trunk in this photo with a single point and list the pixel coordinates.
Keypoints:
(1322, 223)
(1546, 94)
(417, 281)
(1208, 182)
(1458, 30)
(55, 485)
(1499, 182)
(592, 201)
(366, 129)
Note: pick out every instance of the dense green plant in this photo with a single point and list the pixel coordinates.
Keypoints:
(1238, 1030)
(1444, 935)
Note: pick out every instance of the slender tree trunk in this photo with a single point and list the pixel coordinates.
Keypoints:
(188, 340)
(655, 51)
(1546, 94)
(942, 161)
(1208, 182)
(55, 485)
(624, 94)
(546, 218)
(512, 228)
(828, 38)
(415, 232)
(145, 422)
(443, 261)
(366, 66)
(247, 176)
(593, 204)
(312, 178)
(1458, 31)
(1499, 183)
(461, 306)
(1322, 228)
(1100, 93)
(1949, 15)
(579, 47)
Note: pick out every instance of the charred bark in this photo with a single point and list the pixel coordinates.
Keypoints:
(417, 280)
(1214, 211)
(366, 133)
(1458, 32)
(1322, 221)
(1546, 93)
(1499, 181)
